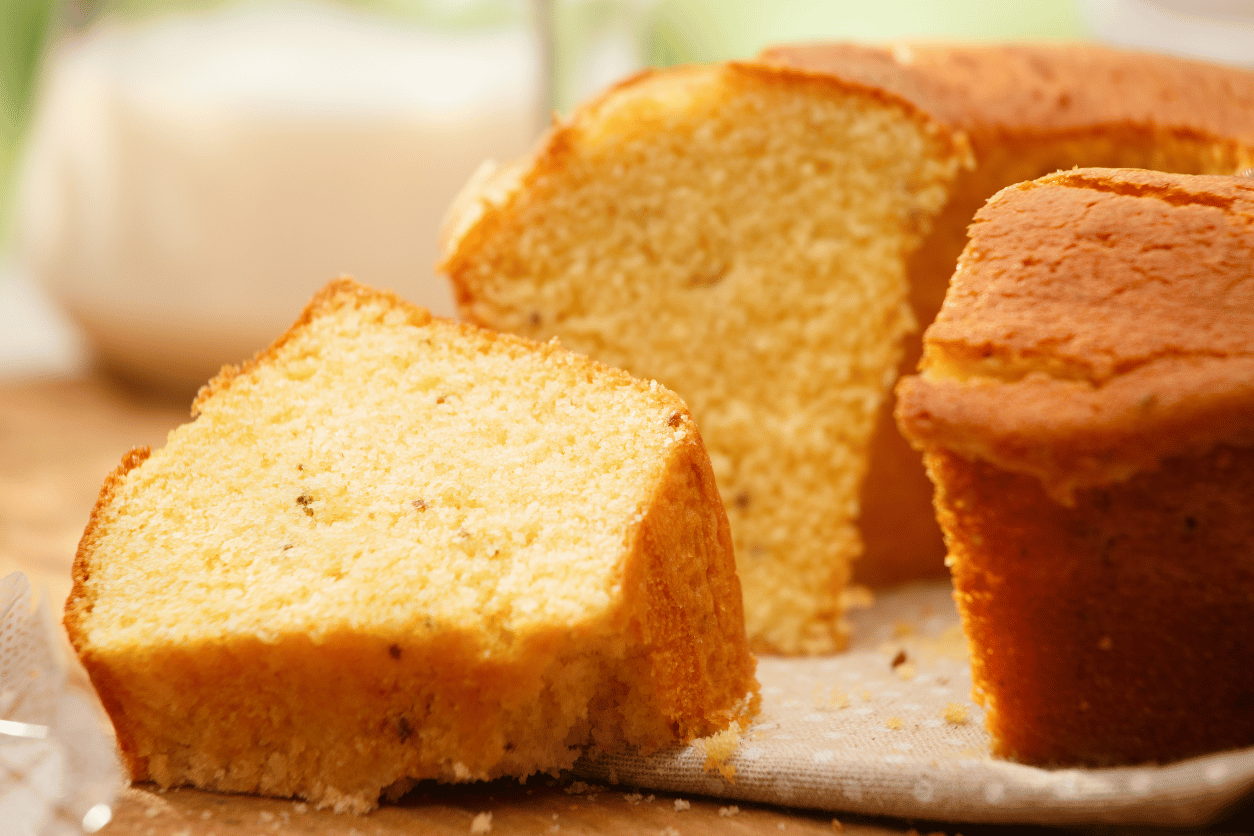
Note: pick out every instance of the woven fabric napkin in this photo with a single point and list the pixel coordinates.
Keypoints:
(889, 729)
(59, 771)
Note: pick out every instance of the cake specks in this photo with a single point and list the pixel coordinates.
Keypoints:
(305, 501)
(675, 420)
(419, 504)
(394, 650)
(899, 659)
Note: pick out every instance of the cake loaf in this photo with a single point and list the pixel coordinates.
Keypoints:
(738, 233)
(1028, 110)
(393, 548)
(1086, 410)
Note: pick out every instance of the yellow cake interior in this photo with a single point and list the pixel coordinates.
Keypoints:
(742, 239)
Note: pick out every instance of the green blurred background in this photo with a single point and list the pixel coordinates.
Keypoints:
(674, 31)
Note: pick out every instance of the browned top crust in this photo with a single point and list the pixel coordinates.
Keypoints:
(989, 91)
(1099, 321)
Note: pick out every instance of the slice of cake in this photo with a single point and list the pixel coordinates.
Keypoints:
(740, 234)
(1086, 410)
(393, 548)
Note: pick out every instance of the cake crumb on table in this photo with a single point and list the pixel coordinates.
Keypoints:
(680, 804)
(482, 823)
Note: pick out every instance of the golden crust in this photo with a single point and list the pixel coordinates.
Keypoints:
(1099, 322)
(990, 92)
(1086, 410)
(1115, 630)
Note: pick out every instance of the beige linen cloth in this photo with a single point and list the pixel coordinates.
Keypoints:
(889, 729)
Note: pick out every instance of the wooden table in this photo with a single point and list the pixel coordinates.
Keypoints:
(58, 441)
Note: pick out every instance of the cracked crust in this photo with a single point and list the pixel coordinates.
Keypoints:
(1099, 322)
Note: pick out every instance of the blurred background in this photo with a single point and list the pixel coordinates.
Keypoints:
(177, 177)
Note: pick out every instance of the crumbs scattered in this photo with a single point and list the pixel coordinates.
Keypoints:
(633, 798)
(727, 812)
(857, 597)
(680, 804)
(837, 826)
(718, 748)
(578, 788)
(955, 714)
(481, 823)
(300, 807)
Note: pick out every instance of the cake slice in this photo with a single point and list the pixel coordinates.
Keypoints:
(1086, 410)
(739, 233)
(393, 548)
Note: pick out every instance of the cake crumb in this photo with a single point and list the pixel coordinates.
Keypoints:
(955, 714)
(857, 597)
(894, 723)
(300, 807)
(633, 798)
(680, 804)
(482, 823)
(728, 811)
(579, 788)
(718, 748)
(837, 826)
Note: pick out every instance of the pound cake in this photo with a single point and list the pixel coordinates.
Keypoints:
(739, 233)
(1027, 110)
(394, 547)
(1086, 409)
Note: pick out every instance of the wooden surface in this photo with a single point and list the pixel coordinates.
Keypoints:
(58, 441)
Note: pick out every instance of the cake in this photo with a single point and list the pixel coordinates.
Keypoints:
(724, 230)
(1085, 406)
(1028, 110)
(393, 548)
(738, 233)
